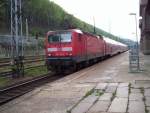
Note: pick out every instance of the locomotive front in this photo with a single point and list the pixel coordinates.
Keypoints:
(59, 50)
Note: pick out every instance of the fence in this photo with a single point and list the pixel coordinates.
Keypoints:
(31, 46)
(134, 64)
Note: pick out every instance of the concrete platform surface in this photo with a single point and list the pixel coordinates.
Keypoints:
(106, 87)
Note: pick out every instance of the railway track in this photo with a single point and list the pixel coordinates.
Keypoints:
(7, 63)
(9, 73)
(14, 91)
(6, 74)
(6, 60)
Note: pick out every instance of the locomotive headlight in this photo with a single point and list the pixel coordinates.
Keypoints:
(51, 49)
(49, 54)
(70, 54)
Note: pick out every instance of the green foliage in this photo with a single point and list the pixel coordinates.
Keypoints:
(98, 92)
(4, 81)
(37, 71)
(3, 13)
(45, 15)
(113, 96)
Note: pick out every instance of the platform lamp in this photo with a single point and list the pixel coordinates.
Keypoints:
(135, 16)
(94, 25)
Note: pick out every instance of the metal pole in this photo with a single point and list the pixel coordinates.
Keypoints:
(109, 25)
(94, 25)
(16, 32)
(37, 45)
(27, 31)
(12, 57)
(21, 37)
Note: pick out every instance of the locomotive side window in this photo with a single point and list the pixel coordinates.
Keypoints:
(79, 36)
(60, 37)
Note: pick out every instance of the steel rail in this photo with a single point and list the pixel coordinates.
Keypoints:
(5, 60)
(9, 73)
(19, 89)
(25, 62)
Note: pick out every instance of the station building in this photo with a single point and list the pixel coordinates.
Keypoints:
(145, 26)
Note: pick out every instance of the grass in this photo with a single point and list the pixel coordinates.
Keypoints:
(129, 88)
(146, 111)
(142, 90)
(98, 92)
(113, 96)
(5, 69)
(31, 72)
(37, 71)
(4, 81)
(26, 65)
(144, 99)
(86, 95)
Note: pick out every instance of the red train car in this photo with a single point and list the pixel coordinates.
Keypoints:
(113, 47)
(68, 49)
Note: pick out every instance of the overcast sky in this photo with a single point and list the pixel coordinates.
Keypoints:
(110, 15)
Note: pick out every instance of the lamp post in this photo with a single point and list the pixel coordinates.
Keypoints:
(94, 25)
(135, 16)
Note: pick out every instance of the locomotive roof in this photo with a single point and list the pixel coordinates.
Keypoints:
(75, 30)
(113, 41)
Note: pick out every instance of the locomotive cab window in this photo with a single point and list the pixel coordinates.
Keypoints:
(53, 38)
(60, 37)
(66, 37)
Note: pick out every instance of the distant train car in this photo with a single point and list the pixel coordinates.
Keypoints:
(68, 49)
(113, 47)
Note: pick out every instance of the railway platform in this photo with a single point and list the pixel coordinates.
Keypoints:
(106, 87)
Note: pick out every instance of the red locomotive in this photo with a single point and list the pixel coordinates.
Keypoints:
(69, 49)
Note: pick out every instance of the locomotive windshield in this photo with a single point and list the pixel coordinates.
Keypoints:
(60, 37)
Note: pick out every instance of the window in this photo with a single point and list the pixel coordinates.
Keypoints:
(60, 37)
(53, 38)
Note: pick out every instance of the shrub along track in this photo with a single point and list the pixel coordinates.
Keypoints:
(29, 62)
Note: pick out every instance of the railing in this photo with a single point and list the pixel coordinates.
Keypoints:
(31, 46)
(134, 64)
